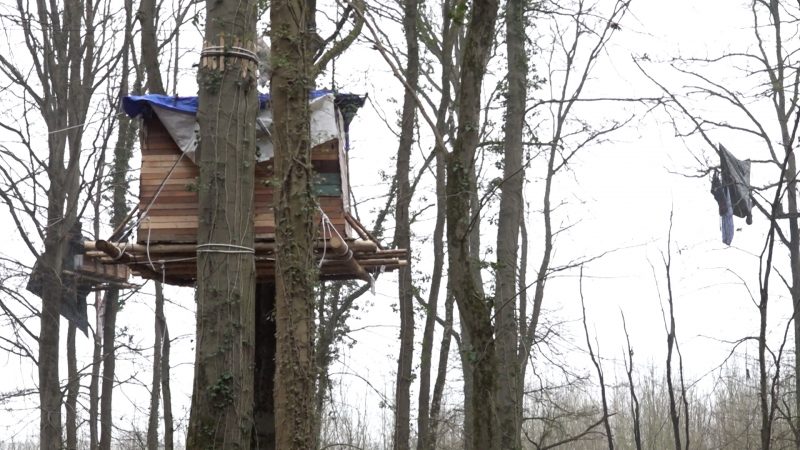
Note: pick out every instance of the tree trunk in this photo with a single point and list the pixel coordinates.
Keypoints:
(598, 369)
(56, 77)
(122, 156)
(167, 392)
(146, 15)
(323, 348)
(794, 261)
(155, 386)
(763, 378)
(149, 52)
(441, 373)
(109, 364)
(94, 384)
(634, 399)
(787, 134)
(673, 409)
(465, 354)
(264, 381)
(49, 389)
(49, 386)
(426, 427)
(506, 296)
(123, 151)
(73, 388)
(402, 236)
(222, 401)
(295, 206)
(522, 292)
(463, 264)
(425, 430)
(67, 48)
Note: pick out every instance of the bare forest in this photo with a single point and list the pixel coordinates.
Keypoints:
(533, 224)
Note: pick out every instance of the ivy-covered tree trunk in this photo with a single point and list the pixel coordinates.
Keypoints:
(111, 303)
(506, 298)
(295, 206)
(123, 150)
(222, 399)
(476, 313)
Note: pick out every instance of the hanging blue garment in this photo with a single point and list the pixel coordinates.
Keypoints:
(726, 218)
(730, 186)
(736, 179)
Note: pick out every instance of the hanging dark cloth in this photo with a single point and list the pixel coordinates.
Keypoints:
(75, 290)
(730, 186)
(348, 105)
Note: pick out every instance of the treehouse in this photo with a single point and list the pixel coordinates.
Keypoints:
(165, 221)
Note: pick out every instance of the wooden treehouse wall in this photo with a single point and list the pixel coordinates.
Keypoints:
(172, 216)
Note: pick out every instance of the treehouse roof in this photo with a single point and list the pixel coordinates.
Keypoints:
(135, 105)
(331, 115)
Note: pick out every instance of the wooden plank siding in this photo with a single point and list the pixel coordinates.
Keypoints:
(172, 216)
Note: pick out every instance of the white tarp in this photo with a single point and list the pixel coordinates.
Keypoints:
(185, 131)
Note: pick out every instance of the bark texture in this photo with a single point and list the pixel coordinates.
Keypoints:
(478, 354)
(155, 385)
(73, 387)
(506, 298)
(147, 19)
(119, 179)
(109, 366)
(97, 362)
(222, 401)
(402, 236)
(295, 207)
(61, 43)
(106, 303)
(430, 403)
(167, 392)
(149, 51)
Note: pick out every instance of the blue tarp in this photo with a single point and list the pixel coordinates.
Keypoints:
(134, 105)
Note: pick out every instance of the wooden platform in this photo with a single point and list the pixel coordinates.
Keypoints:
(177, 263)
(102, 274)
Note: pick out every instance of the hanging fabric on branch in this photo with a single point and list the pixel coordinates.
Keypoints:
(730, 186)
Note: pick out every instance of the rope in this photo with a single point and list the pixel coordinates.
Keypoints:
(331, 224)
(72, 127)
(237, 52)
(147, 250)
(143, 213)
(121, 252)
(326, 225)
(232, 249)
